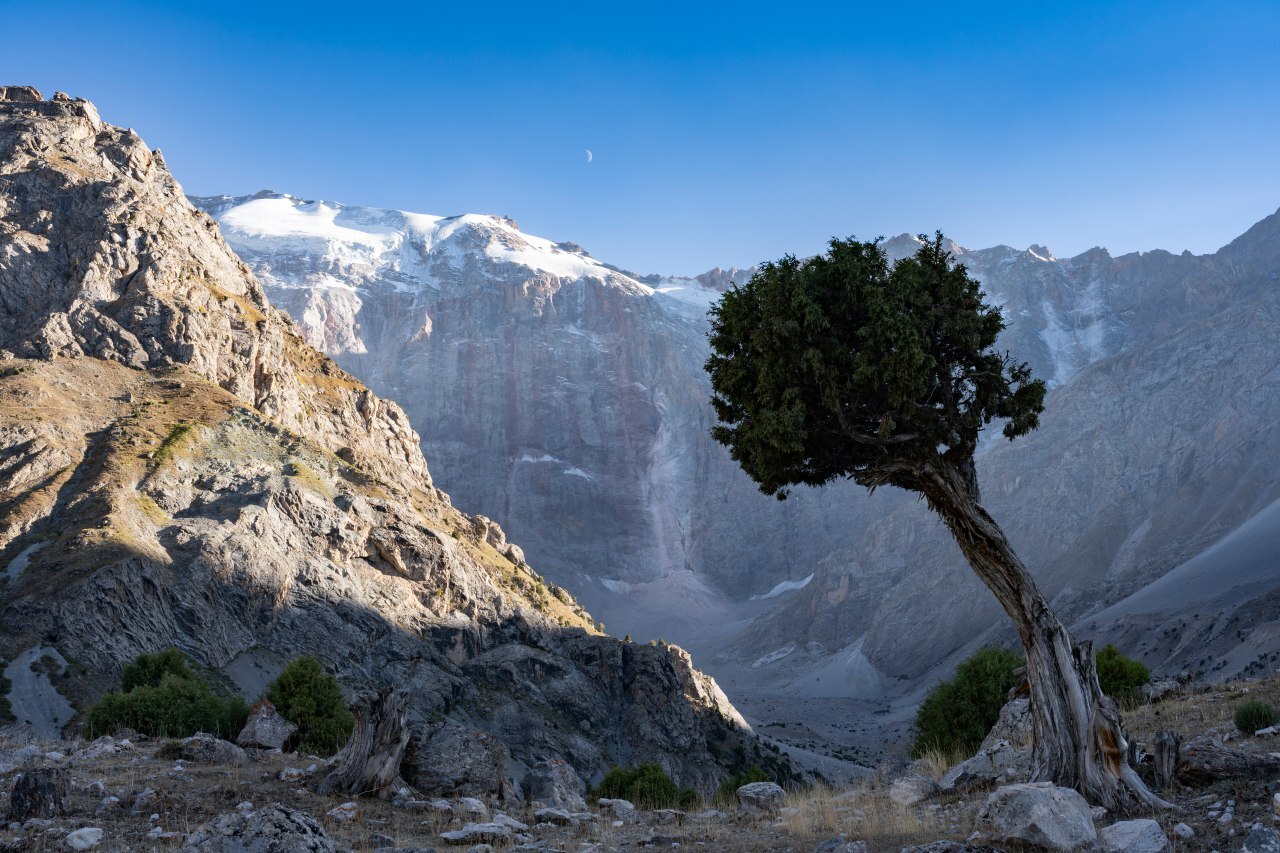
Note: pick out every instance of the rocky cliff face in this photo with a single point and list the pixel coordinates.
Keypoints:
(557, 387)
(178, 467)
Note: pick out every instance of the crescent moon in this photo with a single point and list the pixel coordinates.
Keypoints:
(588, 150)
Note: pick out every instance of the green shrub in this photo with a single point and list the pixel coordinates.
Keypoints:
(957, 714)
(1120, 677)
(178, 705)
(149, 670)
(727, 793)
(647, 786)
(1254, 715)
(312, 700)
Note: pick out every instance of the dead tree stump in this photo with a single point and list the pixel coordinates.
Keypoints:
(1204, 762)
(1167, 749)
(39, 793)
(370, 762)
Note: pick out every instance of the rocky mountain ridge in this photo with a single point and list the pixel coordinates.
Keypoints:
(577, 393)
(178, 467)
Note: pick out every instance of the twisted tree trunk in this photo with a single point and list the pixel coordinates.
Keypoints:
(1078, 739)
(370, 762)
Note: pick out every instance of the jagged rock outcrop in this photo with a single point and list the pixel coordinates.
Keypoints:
(178, 467)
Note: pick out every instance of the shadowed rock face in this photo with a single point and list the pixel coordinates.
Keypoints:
(569, 400)
(179, 468)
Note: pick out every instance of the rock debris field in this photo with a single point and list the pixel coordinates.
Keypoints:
(136, 793)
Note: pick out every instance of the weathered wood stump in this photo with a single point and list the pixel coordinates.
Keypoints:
(1202, 763)
(39, 793)
(1166, 751)
(370, 762)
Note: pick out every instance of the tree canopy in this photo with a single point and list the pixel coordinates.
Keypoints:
(844, 366)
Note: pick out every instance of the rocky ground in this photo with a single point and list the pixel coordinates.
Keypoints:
(148, 794)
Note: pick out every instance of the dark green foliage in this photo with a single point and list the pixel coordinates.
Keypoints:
(149, 670)
(1121, 677)
(727, 793)
(647, 786)
(840, 366)
(957, 714)
(1254, 715)
(312, 700)
(176, 707)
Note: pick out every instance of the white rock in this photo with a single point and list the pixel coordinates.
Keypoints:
(84, 839)
(761, 798)
(1183, 831)
(478, 833)
(1133, 836)
(1038, 814)
(621, 809)
(909, 790)
(509, 822)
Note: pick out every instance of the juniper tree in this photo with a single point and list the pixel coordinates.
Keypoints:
(844, 366)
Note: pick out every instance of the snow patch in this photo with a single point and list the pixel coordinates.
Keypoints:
(615, 586)
(785, 586)
(776, 655)
(19, 563)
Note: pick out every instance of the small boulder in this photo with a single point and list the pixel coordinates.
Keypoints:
(622, 810)
(83, 839)
(345, 813)
(1133, 836)
(554, 783)
(471, 807)
(270, 829)
(1183, 831)
(478, 833)
(266, 729)
(1038, 814)
(839, 845)
(559, 817)
(202, 748)
(761, 799)
(510, 822)
(1262, 839)
(909, 790)
(1003, 756)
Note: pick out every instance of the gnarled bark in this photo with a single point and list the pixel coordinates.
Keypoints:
(1078, 738)
(370, 762)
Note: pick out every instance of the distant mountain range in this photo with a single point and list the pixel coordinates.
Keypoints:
(567, 399)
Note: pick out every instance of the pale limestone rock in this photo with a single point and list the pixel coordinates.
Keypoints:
(761, 799)
(273, 828)
(1038, 814)
(1133, 836)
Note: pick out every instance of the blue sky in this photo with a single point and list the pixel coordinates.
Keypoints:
(722, 134)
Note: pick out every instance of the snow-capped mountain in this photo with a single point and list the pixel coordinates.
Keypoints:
(567, 397)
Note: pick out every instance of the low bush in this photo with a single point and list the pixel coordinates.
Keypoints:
(727, 793)
(1121, 677)
(150, 670)
(1254, 715)
(162, 697)
(957, 714)
(647, 786)
(312, 700)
